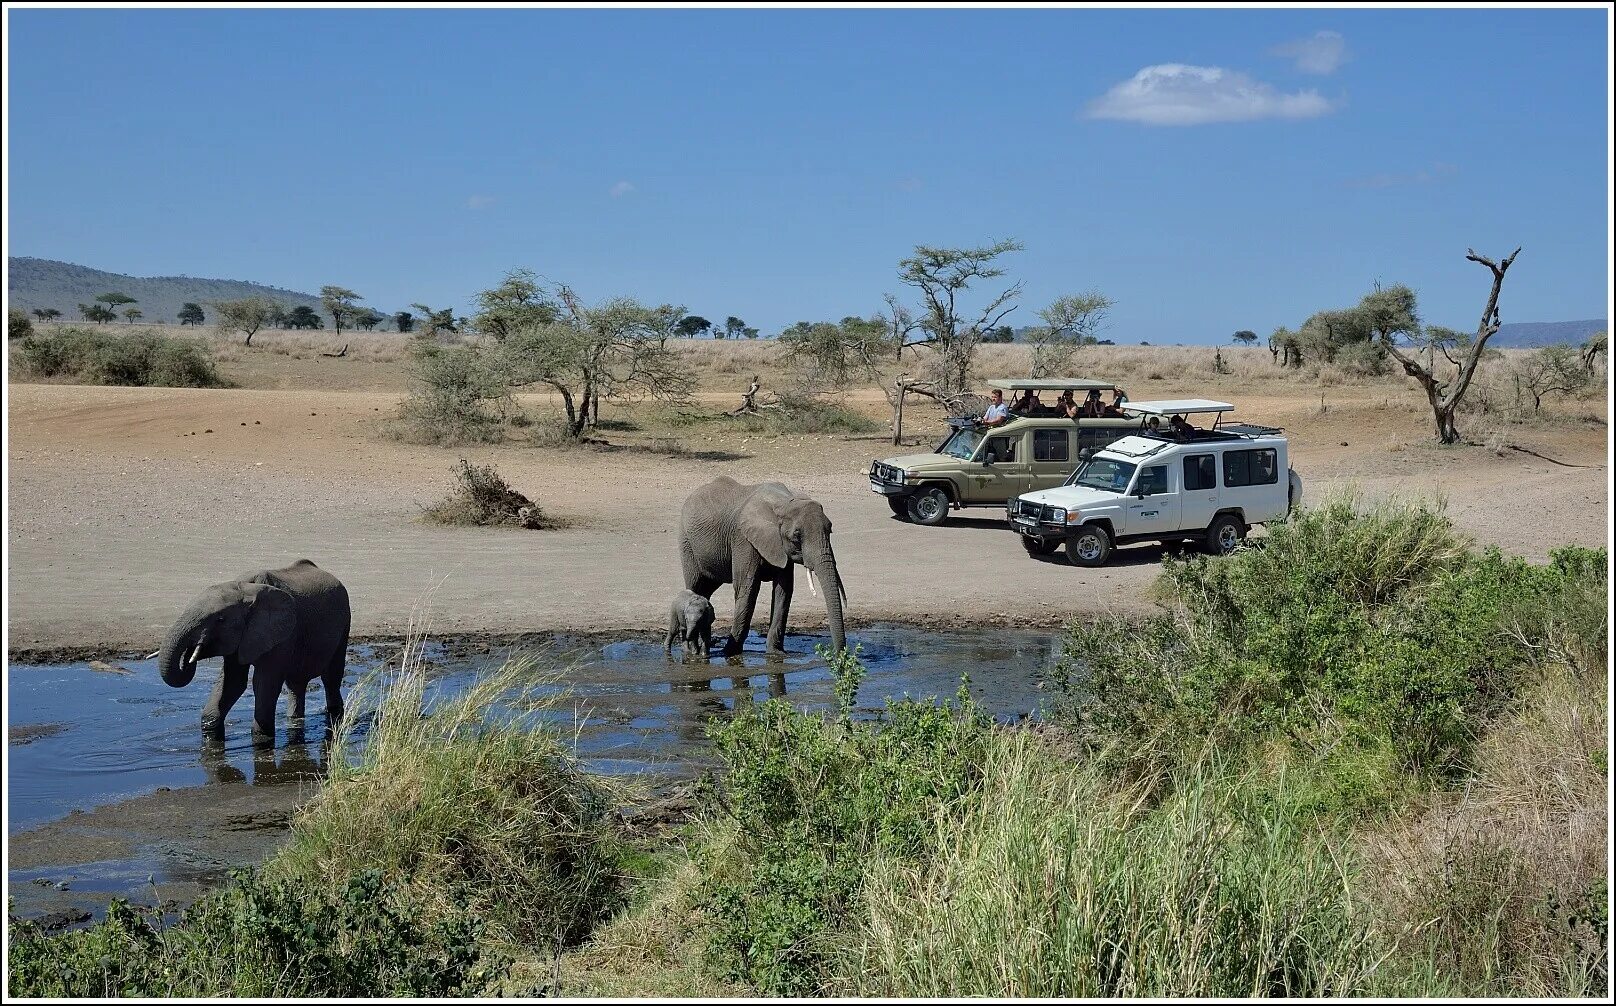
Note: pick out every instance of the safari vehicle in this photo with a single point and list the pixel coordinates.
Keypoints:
(1168, 482)
(981, 466)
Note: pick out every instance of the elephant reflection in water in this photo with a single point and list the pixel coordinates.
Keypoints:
(299, 761)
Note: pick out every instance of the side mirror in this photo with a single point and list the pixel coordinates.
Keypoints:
(988, 459)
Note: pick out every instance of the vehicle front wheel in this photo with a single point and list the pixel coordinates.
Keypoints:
(929, 506)
(899, 507)
(1039, 546)
(1225, 535)
(1089, 545)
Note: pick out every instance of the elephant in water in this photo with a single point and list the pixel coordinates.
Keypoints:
(749, 535)
(289, 625)
(690, 622)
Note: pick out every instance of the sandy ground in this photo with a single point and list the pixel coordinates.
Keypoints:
(124, 501)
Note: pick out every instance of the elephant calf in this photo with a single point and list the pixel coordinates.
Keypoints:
(289, 625)
(691, 621)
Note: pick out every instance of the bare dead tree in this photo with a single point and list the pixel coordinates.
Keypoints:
(1445, 395)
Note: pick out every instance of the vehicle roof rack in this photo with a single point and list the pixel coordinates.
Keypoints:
(1178, 407)
(1050, 384)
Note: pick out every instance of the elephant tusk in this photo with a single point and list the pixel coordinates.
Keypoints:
(812, 588)
(194, 655)
(152, 655)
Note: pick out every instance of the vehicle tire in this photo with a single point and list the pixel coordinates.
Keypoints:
(1039, 546)
(1225, 535)
(899, 507)
(1089, 546)
(929, 507)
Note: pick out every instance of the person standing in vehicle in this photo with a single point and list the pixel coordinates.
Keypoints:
(997, 412)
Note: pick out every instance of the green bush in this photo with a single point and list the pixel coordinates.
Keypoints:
(262, 938)
(458, 396)
(141, 360)
(18, 324)
(801, 414)
(813, 798)
(1380, 625)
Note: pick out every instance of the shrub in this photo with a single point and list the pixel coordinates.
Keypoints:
(18, 324)
(812, 798)
(1375, 623)
(259, 938)
(143, 360)
(457, 397)
(470, 805)
(803, 414)
(482, 498)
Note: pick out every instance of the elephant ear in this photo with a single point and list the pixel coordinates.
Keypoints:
(271, 621)
(760, 525)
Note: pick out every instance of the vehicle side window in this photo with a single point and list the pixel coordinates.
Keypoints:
(1051, 445)
(1250, 468)
(1200, 471)
(1152, 480)
(1002, 448)
(1094, 438)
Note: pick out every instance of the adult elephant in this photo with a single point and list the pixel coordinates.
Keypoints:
(289, 626)
(752, 535)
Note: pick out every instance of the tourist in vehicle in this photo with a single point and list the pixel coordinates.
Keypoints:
(997, 412)
(1067, 405)
(1181, 429)
(1153, 425)
(1114, 410)
(1092, 407)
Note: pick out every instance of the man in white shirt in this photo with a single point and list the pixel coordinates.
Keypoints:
(997, 411)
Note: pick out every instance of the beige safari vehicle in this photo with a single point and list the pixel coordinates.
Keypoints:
(986, 466)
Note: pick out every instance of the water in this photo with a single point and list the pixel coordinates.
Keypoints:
(83, 738)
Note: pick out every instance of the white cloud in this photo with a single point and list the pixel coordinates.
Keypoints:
(1172, 94)
(479, 202)
(1322, 53)
(621, 189)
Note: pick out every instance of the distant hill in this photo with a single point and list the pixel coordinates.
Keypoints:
(1543, 333)
(41, 283)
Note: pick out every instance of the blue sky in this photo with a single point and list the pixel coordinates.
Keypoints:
(1208, 170)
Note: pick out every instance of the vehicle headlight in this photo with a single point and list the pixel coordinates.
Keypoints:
(897, 475)
(1058, 515)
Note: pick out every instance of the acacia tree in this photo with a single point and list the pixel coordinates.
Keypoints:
(1245, 337)
(435, 323)
(617, 350)
(692, 325)
(518, 302)
(941, 276)
(46, 313)
(1069, 323)
(115, 300)
(246, 316)
(404, 321)
(1445, 392)
(133, 314)
(303, 316)
(1555, 369)
(340, 303)
(191, 314)
(368, 318)
(98, 313)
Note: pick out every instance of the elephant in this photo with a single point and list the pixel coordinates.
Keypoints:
(690, 621)
(748, 535)
(289, 625)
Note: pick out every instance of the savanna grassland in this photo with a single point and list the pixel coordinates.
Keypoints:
(1367, 755)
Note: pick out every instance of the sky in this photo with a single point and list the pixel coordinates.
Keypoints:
(1208, 170)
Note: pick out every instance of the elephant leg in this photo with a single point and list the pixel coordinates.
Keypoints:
(331, 681)
(269, 675)
(779, 609)
(299, 691)
(746, 595)
(694, 579)
(232, 682)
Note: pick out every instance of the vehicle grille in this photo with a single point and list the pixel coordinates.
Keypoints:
(1036, 511)
(883, 473)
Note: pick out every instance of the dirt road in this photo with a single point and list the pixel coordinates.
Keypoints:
(123, 501)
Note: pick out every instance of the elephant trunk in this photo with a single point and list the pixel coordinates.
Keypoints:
(176, 660)
(831, 585)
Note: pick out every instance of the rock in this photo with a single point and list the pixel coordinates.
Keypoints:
(106, 668)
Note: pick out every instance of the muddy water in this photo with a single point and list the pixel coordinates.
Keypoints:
(112, 790)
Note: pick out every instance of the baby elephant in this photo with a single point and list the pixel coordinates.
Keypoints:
(691, 621)
(290, 626)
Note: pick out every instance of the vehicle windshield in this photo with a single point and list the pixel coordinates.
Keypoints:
(962, 444)
(1104, 474)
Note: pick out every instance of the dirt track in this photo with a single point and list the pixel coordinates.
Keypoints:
(122, 504)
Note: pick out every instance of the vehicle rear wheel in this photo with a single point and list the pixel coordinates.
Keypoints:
(898, 506)
(1225, 535)
(929, 506)
(1089, 545)
(1039, 546)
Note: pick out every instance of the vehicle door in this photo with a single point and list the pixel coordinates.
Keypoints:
(1052, 457)
(1198, 489)
(1251, 481)
(1153, 500)
(1001, 469)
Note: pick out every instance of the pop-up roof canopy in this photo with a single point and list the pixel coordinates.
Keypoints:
(1050, 384)
(1181, 407)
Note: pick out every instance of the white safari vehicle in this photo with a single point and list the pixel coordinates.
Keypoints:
(1172, 481)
